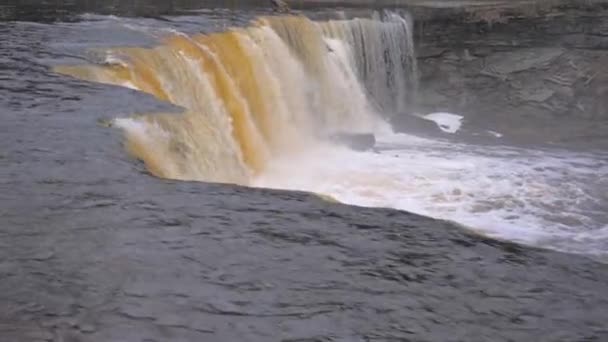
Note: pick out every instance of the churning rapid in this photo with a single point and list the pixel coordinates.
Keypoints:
(262, 103)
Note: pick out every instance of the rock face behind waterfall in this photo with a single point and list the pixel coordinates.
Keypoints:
(279, 6)
(534, 72)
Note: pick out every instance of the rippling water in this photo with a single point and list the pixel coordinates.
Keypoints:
(550, 198)
(546, 197)
(93, 248)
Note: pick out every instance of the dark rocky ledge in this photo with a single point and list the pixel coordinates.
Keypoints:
(535, 71)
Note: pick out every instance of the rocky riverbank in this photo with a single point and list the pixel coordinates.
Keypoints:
(534, 71)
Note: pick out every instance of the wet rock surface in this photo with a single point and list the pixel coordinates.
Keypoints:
(534, 72)
(94, 249)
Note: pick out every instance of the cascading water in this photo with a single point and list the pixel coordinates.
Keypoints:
(257, 93)
(385, 59)
(260, 103)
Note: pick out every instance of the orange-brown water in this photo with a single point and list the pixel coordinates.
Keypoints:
(249, 94)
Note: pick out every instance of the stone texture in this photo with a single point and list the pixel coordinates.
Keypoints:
(534, 72)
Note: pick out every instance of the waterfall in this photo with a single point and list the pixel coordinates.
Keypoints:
(260, 92)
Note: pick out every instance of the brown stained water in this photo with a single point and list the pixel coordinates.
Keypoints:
(114, 234)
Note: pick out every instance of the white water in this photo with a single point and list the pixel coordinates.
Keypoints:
(556, 199)
(447, 122)
(550, 199)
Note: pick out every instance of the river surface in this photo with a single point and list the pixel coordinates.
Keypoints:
(113, 127)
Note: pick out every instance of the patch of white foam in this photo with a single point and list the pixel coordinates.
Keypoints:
(495, 134)
(129, 84)
(153, 31)
(142, 130)
(528, 196)
(112, 58)
(98, 17)
(447, 122)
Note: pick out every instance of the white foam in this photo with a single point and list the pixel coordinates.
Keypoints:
(113, 59)
(152, 31)
(447, 122)
(98, 17)
(496, 134)
(529, 196)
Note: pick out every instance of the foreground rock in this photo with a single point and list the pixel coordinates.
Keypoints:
(416, 125)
